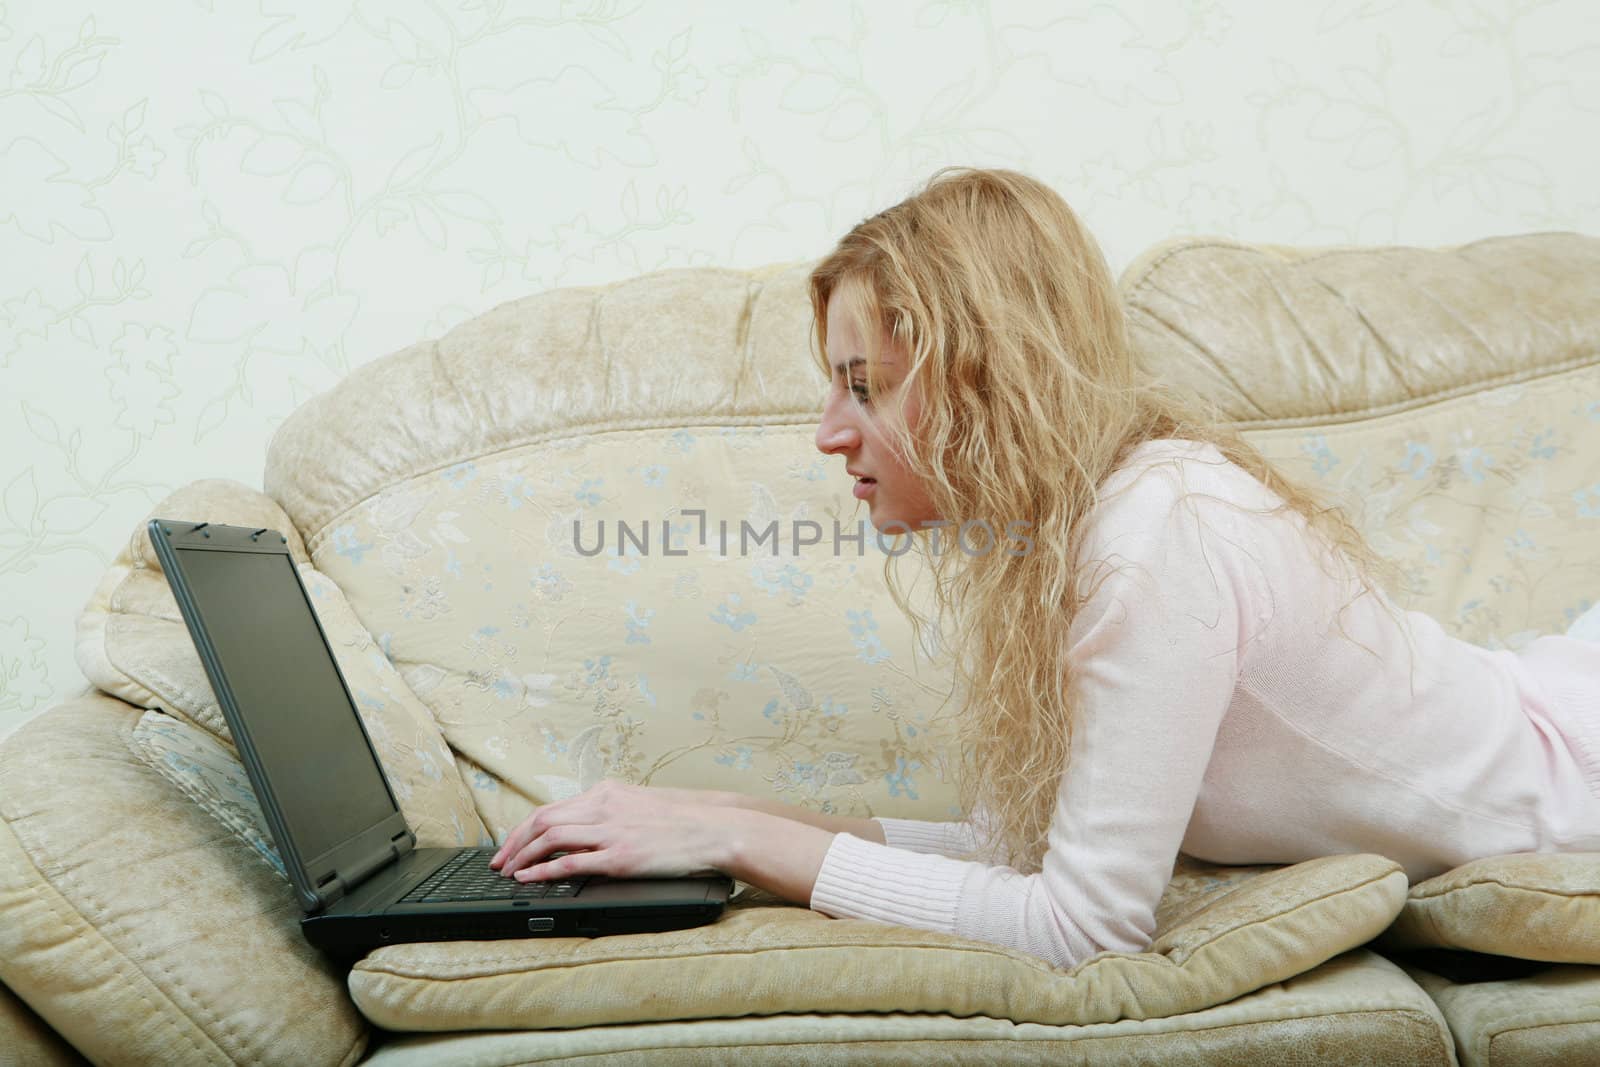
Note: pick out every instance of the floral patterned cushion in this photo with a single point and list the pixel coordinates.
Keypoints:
(540, 660)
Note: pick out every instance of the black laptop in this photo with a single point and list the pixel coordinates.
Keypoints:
(343, 841)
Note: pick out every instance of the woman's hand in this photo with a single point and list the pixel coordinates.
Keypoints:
(624, 831)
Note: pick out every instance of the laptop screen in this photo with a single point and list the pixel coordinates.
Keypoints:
(308, 740)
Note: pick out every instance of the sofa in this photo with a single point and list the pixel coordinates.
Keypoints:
(440, 503)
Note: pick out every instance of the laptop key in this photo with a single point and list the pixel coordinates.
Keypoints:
(469, 877)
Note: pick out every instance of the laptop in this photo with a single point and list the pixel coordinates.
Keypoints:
(345, 845)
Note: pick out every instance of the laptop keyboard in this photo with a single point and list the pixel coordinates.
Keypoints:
(468, 876)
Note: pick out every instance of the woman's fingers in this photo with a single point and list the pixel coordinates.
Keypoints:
(556, 839)
(587, 805)
(603, 803)
(519, 854)
(518, 838)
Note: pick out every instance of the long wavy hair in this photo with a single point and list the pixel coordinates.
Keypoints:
(1031, 396)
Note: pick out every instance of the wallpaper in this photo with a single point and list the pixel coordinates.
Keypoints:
(211, 211)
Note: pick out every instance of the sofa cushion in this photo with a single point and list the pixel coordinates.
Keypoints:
(1355, 1009)
(133, 643)
(136, 927)
(1226, 938)
(1534, 906)
(686, 346)
(131, 639)
(1487, 503)
(209, 773)
(1550, 1018)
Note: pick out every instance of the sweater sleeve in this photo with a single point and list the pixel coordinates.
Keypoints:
(916, 835)
(1154, 652)
(953, 839)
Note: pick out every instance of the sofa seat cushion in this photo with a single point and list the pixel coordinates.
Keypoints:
(1357, 1008)
(1535, 906)
(1224, 939)
(1550, 1018)
(137, 926)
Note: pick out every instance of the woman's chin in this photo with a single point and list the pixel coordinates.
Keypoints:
(888, 524)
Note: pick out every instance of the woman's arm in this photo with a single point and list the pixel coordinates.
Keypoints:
(866, 829)
(954, 838)
(774, 853)
(1154, 654)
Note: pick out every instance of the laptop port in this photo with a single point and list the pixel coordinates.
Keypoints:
(540, 923)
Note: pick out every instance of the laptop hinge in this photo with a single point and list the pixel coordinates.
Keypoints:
(340, 882)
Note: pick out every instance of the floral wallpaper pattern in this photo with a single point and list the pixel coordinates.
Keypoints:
(210, 212)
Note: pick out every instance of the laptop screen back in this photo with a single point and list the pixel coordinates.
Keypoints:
(307, 738)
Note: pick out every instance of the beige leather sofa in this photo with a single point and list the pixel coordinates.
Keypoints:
(1450, 397)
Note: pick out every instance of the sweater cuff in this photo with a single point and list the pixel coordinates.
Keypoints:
(865, 880)
(918, 835)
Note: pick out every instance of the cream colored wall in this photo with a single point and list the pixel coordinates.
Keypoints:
(211, 211)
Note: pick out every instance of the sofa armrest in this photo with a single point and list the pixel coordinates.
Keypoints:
(140, 927)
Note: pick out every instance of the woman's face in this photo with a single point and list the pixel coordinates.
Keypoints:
(851, 425)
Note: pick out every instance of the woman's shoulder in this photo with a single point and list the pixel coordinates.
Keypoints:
(1168, 468)
(1174, 499)
(1171, 487)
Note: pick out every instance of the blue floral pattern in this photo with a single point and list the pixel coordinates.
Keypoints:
(685, 652)
(208, 773)
(1483, 501)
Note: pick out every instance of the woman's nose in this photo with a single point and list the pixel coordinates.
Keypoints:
(835, 435)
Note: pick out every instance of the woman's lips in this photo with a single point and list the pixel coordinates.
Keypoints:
(864, 487)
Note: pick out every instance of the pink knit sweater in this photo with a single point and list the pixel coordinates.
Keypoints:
(1227, 708)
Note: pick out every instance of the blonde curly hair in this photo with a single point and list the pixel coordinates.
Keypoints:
(1015, 332)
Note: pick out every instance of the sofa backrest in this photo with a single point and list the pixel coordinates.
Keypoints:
(1447, 398)
(456, 489)
(440, 488)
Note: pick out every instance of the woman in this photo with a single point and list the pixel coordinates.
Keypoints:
(1193, 654)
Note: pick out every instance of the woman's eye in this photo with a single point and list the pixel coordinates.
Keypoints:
(860, 392)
